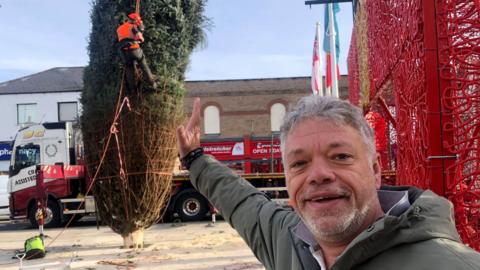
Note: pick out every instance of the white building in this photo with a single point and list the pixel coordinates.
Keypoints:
(49, 96)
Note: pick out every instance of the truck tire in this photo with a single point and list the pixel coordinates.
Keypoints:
(191, 206)
(53, 218)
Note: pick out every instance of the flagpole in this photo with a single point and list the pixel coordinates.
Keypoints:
(333, 51)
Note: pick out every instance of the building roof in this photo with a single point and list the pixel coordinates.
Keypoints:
(267, 86)
(60, 79)
(70, 79)
(248, 86)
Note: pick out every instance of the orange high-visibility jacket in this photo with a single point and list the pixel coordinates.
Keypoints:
(128, 31)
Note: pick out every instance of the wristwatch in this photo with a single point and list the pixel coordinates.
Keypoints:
(188, 159)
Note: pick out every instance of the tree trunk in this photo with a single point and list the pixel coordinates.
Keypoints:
(133, 240)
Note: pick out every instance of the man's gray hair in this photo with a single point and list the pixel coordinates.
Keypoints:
(338, 111)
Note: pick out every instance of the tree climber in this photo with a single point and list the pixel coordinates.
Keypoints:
(129, 38)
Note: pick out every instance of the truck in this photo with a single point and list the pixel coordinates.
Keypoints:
(256, 158)
(47, 162)
(50, 150)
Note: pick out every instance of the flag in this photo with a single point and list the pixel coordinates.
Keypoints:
(326, 47)
(317, 65)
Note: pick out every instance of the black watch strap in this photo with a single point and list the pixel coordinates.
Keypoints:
(188, 159)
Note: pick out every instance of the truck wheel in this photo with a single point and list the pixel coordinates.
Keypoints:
(53, 215)
(191, 206)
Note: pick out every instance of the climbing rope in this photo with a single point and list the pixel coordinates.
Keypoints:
(113, 131)
(137, 7)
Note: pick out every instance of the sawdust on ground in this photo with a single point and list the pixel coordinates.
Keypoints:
(189, 246)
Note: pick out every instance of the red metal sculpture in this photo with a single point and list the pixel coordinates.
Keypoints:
(424, 79)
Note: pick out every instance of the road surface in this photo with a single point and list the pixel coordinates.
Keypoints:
(189, 246)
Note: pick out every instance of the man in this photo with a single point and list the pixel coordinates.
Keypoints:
(340, 221)
(129, 38)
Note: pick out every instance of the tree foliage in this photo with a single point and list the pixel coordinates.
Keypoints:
(133, 183)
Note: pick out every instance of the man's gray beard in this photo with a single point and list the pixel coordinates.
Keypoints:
(342, 231)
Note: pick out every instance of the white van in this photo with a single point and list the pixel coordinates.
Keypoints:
(4, 212)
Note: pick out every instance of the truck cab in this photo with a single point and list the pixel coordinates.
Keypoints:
(52, 151)
(55, 139)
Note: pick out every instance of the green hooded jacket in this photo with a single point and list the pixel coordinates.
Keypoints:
(422, 236)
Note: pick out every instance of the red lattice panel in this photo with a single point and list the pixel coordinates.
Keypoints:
(396, 54)
(412, 118)
(460, 41)
(424, 64)
(390, 24)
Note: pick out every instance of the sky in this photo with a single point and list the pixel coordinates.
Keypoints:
(249, 38)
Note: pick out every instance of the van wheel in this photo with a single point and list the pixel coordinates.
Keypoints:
(52, 218)
(191, 206)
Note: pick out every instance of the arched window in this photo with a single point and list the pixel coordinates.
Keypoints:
(277, 113)
(212, 120)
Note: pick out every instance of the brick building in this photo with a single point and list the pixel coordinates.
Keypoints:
(230, 108)
(233, 108)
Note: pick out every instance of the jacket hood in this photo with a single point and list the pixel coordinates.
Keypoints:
(429, 216)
